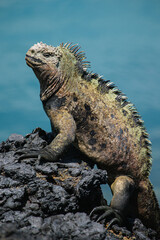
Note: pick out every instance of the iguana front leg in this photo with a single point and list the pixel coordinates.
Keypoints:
(65, 125)
(120, 207)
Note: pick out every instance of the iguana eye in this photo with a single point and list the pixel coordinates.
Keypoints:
(48, 54)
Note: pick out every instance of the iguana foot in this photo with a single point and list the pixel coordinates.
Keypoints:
(45, 154)
(22, 154)
(122, 189)
(110, 215)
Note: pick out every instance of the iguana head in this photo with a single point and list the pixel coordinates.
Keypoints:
(54, 66)
(40, 54)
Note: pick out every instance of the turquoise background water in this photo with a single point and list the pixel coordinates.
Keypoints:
(120, 38)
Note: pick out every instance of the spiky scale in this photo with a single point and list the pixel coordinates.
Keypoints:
(67, 46)
(80, 53)
(74, 49)
(77, 50)
(86, 61)
(81, 57)
(71, 48)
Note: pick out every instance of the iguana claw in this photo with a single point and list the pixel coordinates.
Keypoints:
(110, 215)
(23, 154)
(44, 154)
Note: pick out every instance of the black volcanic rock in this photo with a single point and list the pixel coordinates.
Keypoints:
(45, 200)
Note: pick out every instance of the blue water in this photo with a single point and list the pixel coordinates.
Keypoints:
(120, 38)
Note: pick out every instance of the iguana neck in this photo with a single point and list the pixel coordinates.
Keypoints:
(59, 80)
(50, 81)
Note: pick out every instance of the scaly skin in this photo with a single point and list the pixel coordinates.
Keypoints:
(95, 116)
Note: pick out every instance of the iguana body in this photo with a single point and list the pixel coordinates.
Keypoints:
(96, 117)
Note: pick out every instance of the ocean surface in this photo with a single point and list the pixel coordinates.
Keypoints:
(121, 40)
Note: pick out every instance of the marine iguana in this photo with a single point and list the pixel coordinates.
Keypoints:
(94, 115)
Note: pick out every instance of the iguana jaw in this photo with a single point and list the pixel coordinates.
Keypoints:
(33, 62)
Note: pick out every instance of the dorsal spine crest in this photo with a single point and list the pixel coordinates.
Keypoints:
(79, 55)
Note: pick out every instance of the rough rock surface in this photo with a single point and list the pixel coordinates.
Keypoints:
(45, 200)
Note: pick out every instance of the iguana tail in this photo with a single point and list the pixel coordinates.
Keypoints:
(148, 208)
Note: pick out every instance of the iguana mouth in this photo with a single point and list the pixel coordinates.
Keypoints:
(32, 61)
